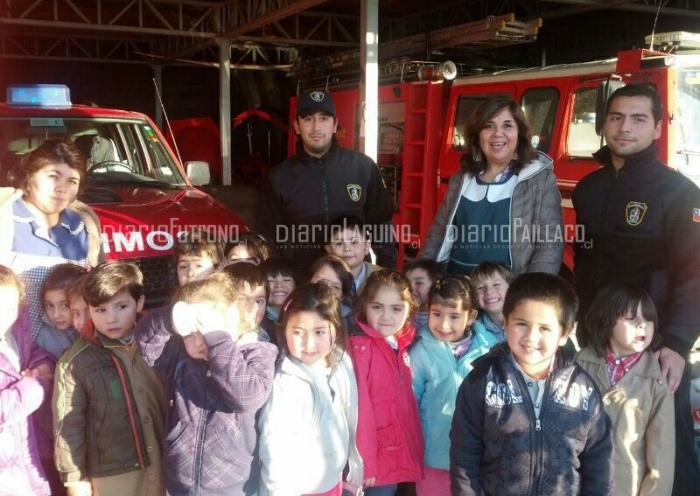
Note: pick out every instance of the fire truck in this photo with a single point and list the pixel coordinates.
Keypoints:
(143, 195)
(422, 123)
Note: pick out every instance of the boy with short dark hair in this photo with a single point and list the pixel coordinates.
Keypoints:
(528, 418)
(197, 254)
(108, 404)
(348, 239)
(491, 280)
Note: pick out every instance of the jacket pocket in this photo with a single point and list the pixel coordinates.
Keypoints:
(179, 452)
(224, 459)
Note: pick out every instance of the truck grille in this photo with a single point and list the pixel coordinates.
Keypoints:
(159, 279)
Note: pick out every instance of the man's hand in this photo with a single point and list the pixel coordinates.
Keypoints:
(672, 365)
(368, 482)
(195, 346)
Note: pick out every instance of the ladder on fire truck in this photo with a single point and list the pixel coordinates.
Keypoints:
(422, 141)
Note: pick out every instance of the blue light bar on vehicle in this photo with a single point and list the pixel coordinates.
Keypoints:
(39, 95)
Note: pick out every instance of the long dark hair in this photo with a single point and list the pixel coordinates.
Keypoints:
(473, 161)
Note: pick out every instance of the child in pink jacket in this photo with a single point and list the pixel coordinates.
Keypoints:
(25, 375)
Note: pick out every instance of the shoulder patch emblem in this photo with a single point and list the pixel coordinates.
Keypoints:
(635, 213)
(696, 215)
(354, 191)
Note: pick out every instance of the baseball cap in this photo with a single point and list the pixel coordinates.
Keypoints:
(314, 101)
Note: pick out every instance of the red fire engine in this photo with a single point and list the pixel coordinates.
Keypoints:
(421, 124)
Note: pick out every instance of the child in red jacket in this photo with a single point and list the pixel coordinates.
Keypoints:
(388, 432)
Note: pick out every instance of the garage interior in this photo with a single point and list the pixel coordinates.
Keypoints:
(117, 53)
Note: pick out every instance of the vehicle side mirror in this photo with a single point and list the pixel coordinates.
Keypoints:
(198, 172)
(605, 89)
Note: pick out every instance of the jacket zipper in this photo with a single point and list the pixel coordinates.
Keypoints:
(199, 446)
(536, 444)
(325, 192)
(538, 430)
(130, 409)
(604, 230)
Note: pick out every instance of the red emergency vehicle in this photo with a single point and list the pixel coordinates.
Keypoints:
(135, 183)
(422, 124)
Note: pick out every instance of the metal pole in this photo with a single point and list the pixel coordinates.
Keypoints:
(225, 109)
(369, 62)
(158, 77)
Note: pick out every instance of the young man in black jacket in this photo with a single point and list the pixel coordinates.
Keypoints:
(642, 226)
(321, 182)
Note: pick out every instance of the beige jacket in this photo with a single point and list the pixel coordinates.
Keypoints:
(642, 414)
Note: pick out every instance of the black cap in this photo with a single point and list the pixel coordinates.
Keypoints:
(314, 101)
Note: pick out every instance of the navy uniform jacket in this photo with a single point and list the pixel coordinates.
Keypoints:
(303, 194)
(642, 226)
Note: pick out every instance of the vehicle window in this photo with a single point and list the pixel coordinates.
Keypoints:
(582, 140)
(688, 120)
(466, 105)
(118, 151)
(540, 106)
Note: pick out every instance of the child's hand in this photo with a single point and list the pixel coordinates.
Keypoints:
(196, 346)
(42, 372)
(191, 317)
(83, 488)
(248, 338)
(368, 482)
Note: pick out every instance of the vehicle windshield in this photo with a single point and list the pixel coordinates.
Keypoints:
(688, 118)
(118, 151)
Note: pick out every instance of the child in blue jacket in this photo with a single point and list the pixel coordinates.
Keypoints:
(441, 358)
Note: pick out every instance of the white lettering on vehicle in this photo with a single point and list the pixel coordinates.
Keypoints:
(160, 237)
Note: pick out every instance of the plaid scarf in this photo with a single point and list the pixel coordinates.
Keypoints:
(618, 367)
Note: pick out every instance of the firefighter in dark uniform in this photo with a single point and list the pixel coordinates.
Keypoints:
(642, 226)
(321, 182)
